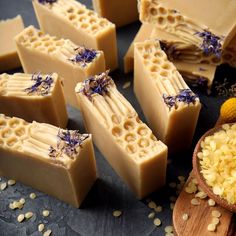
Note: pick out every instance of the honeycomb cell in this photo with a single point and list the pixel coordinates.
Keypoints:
(80, 11)
(13, 123)
(115, 119)
(153, 11)
(3, 124)
(170, 19)
(72, 17)
(70, 10)
(131, 148)
(117, 131)
(143, 142)
(156, 61)
(161, 21)
(6, 133)
(166, 66)
(152, 137)
(84, 25)
(130, 137)
(51, 49)
(11, 141)
(20, 131)
(162, 11)
(142, 153)
(142, 130)
(164, 73)
(154, 68)
(129, 125)
(37, 44)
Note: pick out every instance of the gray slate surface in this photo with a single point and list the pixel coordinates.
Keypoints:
(109, 192)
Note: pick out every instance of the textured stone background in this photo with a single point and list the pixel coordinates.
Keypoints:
(109, 192)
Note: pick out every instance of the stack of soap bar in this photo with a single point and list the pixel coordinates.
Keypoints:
(170, 107)
(70, 19)
(58, 162)
(8, 55)
(195, 74)
(124, 140)
(119, 12)
(34, 98)
(41, 52)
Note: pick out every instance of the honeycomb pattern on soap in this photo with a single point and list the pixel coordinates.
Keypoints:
(12, 132)
(80, 17)
(34, 39)
(122, 121)
(30, 138)
(163, 72)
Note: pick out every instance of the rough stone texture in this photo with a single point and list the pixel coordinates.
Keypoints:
(109, 192)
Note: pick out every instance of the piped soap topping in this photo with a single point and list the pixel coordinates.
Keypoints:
(211, 44)
(47, 1)
(68, 143)
(41, 86)
(185, 96)
(83, 56)
(97, 84)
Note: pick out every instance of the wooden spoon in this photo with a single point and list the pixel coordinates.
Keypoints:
(201, 180)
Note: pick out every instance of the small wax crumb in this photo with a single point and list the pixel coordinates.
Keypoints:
(41, 227)
(126, 85)
(216, 213)
(211, 227)
(3, 186)
(11, 182)
(28, 215)
(47, 233)
(215, 221)
(201, 195)
(195, 202)
(211, 202)
(32, 195)
(169, 234)
(20, 218)
(46, 213)
(157, 222)
(151, 215)
(185, 216)
(117, 213)
(152, 205)
(172, 185)
(16, 204)
(169, 229)
(158, 209)
(22, 201)
(172, 205)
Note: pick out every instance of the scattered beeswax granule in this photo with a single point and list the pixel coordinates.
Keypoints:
(47, 233)
(216, 213)
(126, 85)
(169, 229)
(11, 182)
(32, 195)
(211, 227)
(211, 202)
(3, 186)
(151, 215)
(152, 205)
(41, 227)
(28, 215)
(195, 202)
(185, 216)
(157, 222)
(46, 213)
(117, 213)
(20, 218)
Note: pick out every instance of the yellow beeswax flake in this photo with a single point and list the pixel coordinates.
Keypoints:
(32, 196)
(215, 221)
(20, 218)
(46, 213)
(3, 186)
(126, 85)
(28, 215)
(11, 182)
(47, 233)
(211, 202)
(211, 227)
(151, 215)
(185, 216)
(169, 229)
(216, 213)
(201, 195)
(195, 202)
(117, 213)
(218, 165)
(158, 209)
(157, 222)
(152, 205)
(169, 234)
(41, 227)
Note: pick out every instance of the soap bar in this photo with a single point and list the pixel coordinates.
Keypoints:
(43, 53)
(176, 23)
(143, 34)
(119, 12)
(216, 15)
(72, 20)
(34, 98)
(8, 55)
(169, 106)
(124, 140)
(58, 162)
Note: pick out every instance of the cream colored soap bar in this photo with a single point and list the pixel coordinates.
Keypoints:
(34, 98)
(41, 52)
(58, 162)
(119, 12)
(70, 19)
(216, 15)
(8, 55)
(170, 107)
(143, 33)
(125, 141)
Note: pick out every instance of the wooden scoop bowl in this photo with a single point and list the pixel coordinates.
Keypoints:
(201, 180)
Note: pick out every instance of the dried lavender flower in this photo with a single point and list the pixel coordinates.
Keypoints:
(41, 86)
(211, 43)
(68, 142)
(96, 85)
(47, 1)
(185, 95)
(84, 55)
